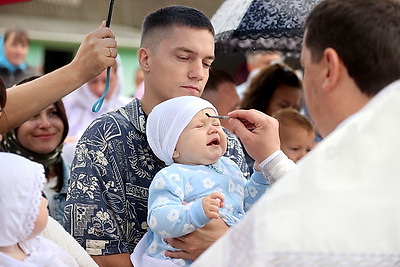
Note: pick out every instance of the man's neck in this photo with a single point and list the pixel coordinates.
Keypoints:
(148, 102)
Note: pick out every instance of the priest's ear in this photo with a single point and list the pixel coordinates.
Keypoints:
(333, 65)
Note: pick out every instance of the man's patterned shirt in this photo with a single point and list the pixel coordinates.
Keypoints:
(106, 209)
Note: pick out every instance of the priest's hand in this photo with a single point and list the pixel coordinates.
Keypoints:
(258, 132)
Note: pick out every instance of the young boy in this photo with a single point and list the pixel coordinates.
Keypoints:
(296, 132)
(199, 184)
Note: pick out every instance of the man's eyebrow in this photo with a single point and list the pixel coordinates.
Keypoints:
(211, 57)
(185, 49)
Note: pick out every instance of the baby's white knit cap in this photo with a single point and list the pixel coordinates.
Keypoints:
(168, 119)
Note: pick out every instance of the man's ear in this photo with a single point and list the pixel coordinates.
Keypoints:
(333, 66)
(144, 58)
(175, 154)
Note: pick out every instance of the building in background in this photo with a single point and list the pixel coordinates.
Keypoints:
(57, 27)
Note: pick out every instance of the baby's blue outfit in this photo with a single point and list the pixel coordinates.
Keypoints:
(178, 183)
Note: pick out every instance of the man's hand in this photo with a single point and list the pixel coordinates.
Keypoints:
(263, 139)
(195, 243)
(212, 203)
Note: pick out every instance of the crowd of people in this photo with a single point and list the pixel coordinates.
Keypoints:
(161, 178)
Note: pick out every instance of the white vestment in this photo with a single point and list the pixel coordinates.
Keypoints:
(339, 207)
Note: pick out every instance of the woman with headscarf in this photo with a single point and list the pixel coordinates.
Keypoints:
(41, 139)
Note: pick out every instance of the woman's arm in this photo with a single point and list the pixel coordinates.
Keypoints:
(26, 100)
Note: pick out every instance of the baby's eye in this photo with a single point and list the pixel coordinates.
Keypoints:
(216, 124)
(199, 125)
(295, 149)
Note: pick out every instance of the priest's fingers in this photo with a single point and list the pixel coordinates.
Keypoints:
(263, 139)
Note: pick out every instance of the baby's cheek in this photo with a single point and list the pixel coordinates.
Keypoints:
(224, 141)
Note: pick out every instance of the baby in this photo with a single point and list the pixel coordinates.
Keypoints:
(24, 215)
(199, 184)
(296, 132)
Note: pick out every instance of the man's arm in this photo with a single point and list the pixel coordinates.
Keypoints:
(26, 100)
(120, 260)
(195, 243)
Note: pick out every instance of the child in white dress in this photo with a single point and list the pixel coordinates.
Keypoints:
(24, 215)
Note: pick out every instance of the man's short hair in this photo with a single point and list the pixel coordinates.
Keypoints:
(364, 33)
(161, 20)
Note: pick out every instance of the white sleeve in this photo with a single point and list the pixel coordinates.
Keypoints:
(276, 166)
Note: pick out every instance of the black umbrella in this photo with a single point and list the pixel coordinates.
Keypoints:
(242, 25)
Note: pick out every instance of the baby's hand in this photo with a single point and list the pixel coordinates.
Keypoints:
(212, 203)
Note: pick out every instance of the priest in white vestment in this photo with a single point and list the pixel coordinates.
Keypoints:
(341, 205)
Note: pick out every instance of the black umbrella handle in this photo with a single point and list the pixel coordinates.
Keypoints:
(97, 105)
(110, 9)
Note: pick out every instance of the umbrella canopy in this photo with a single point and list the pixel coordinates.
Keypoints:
(242, 25)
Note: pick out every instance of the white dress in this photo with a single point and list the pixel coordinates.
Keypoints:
(42, 253)
(339, 207)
